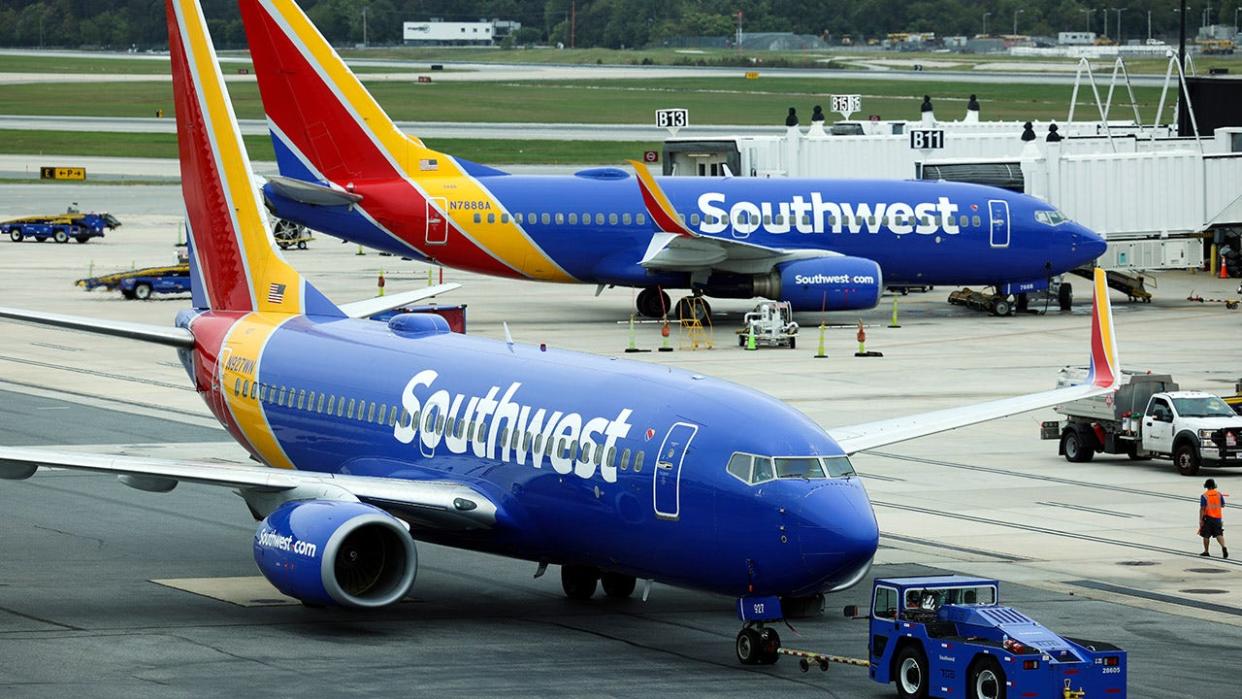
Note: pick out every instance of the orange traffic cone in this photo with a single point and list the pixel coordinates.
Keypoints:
(1224, 270)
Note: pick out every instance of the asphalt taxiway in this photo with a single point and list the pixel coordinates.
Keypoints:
(1104, 550)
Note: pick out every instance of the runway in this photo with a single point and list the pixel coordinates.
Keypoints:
(422, 129)
(1103, 550)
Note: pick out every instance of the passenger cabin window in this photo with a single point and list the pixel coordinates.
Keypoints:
(638, 461)
(612, 219)
(478, 218)
(504, 218)
(518, 217)
(976, 221)
(626, 219)
(544, 219)
(560, 219)
(491, 218)
(599, 219)
(625, 459)
(640, 219)
(573, 219)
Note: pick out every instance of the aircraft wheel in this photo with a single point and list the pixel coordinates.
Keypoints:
(689, 309)
(769, 642)
(987, 680)
(652, 302)
(911, 673)
(748, 646)
(579, 582)
(617, 586)
(142, 291)
(1065, 296)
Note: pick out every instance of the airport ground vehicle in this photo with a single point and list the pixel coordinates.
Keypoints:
(949, 636)
(142, 283)
(59, 227)
(1148, 417)
(772, 325)
(290, 235)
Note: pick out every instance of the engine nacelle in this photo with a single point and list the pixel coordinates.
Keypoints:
(822, 283)
(331, 552)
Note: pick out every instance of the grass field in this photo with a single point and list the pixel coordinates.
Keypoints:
(722, 100)
(489, 151)
(25, 63)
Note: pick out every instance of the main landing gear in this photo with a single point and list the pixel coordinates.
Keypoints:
(580, 582)
(653, 302)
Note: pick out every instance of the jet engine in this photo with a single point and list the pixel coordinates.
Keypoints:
(336, 553)
(822, 283)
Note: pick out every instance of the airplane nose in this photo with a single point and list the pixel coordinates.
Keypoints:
(1088, 243)
(838, 533)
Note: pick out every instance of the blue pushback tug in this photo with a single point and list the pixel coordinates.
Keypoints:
(949, 636)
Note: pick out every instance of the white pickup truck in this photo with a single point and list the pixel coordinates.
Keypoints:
(1148, 417)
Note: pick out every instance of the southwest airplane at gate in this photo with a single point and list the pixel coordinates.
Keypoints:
(346, 169)
(370, 435)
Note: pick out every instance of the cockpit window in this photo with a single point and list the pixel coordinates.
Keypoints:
(838, 466)
(754, 469)
(1051, 217)
(807, 467)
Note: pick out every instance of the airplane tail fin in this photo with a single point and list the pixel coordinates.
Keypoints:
(234, 261)
(326, 127)
(1105, 369)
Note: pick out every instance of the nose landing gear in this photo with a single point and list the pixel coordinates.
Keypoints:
(758, 644)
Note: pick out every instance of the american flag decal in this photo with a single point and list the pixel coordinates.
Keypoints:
(276, 293)
(428, 164)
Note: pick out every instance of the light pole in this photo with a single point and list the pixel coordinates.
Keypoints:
(1120, 36)
(364, 26)
(1087, 11)
(1105, 11)
(1149, 27)
(1015, 20)
(985, 22)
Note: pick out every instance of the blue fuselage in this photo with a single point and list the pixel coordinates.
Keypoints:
(337, 395)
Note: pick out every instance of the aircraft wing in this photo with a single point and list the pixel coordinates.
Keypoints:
(677, 247)
(438, 504)
(379, 304)
(1102, 378)
(674, 251)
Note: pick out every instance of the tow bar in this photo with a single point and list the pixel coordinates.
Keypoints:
(806, 658)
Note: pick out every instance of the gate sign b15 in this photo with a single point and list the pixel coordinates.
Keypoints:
(846, 104)
(672, 118)
(927, 139)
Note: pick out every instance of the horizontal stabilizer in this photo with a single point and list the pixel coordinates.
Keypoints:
(311, 193)
(379, 304)
(175, 337)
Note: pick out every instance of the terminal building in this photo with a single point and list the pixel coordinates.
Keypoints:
(435, 33)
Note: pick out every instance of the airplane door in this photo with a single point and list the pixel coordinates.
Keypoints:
(998, 211)
(666, 486)
(217, 389)
(437, 224)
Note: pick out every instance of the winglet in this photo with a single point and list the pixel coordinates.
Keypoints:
(658, 205)
(1105, 371)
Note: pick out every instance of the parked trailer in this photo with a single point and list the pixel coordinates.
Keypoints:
(59, 227)
(141, 284)
(1148, 417)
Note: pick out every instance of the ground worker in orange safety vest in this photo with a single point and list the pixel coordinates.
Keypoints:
(1211, 515)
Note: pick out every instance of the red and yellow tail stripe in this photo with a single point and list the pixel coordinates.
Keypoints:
(1105, 369)
(240, 267)
(328, 115)
(240, 359)
(661, 210)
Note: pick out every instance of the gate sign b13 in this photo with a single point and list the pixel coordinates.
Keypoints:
(672, 118)
(927, 139)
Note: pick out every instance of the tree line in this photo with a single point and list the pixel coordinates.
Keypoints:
(140, 24)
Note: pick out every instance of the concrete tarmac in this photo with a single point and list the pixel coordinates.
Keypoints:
(1102, 550)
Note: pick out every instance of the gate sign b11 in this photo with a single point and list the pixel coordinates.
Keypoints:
(927, 139)
(672, 118)
(845, 105)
